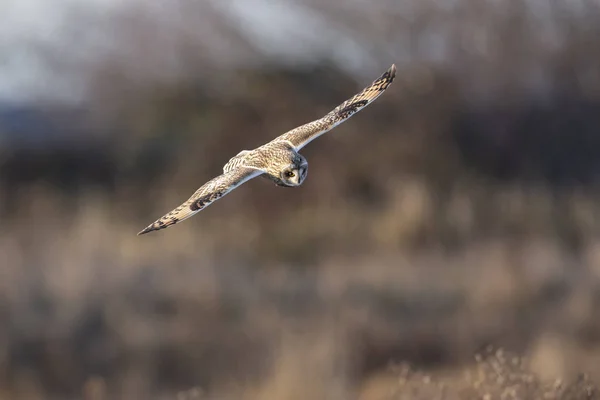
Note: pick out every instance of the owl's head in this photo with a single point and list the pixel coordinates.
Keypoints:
(294, 174)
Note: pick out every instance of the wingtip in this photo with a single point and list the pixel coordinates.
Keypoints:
(392, 71)
(158, 225)
(146, 230)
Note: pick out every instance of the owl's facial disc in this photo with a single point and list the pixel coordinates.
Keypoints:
(294, 175)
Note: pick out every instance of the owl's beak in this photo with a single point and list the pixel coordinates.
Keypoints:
(302, 171)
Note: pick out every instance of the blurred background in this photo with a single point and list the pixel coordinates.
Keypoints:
(458, 212)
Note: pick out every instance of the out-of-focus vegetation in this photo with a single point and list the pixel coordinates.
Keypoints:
(493, 375)
(459, 211)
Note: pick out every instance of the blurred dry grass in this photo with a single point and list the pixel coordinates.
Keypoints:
(493, 375)
(197, 306)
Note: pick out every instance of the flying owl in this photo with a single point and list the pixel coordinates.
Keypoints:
(277, 160)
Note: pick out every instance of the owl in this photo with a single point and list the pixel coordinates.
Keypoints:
(278, 160)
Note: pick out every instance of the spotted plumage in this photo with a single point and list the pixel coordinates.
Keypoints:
(277, 160)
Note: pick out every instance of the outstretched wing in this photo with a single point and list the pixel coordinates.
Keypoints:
(203, 197)
(302, 135)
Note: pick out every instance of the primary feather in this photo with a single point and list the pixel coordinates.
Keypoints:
(302, 135)
(209, 192)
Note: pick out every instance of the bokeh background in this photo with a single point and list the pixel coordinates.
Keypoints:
(457, 215)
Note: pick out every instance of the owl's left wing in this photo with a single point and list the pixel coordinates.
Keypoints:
(302, 135)
(209, 192)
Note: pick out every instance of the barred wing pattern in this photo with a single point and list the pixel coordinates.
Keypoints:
(302, 135)
(211, 191)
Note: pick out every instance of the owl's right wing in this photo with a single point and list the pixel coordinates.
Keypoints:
(203, 197)
(302, 135)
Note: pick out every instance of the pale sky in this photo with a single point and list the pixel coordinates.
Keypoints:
(46, 45)
(30, 25)
(276, 27)
(27, 24)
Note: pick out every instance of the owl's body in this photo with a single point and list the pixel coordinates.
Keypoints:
(278, 160)
(273, 159)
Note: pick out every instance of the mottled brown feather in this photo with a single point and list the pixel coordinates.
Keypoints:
(302, 135)
(203, 197)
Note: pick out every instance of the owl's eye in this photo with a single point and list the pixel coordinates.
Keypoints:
(290, 174)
